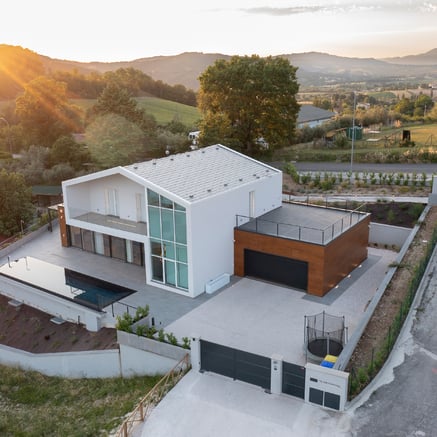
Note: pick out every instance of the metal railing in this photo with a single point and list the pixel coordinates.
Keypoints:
(298, 232)
(146, 405)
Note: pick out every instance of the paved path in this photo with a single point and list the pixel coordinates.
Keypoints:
(401, 401)
(405, 402)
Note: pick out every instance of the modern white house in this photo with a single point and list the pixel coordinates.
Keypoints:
(174, 215)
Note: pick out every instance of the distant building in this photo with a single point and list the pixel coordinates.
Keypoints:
(312, 116)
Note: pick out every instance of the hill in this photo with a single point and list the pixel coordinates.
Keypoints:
(314, 68)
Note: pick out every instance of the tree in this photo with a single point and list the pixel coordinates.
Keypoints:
(15, 199)
(66, 150)
(117, 100)
(18, 66)
(113, 140)
(247, 98)
(45, 113)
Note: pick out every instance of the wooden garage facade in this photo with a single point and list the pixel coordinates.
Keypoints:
(324, 265)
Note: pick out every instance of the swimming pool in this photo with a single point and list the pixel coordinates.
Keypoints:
(71, 285)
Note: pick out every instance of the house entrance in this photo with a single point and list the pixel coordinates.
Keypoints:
(274, 268)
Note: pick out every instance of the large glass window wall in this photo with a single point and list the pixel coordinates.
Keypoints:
(168, 241)
(114, 247)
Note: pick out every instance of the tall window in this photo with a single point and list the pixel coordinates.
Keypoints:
(168, 242)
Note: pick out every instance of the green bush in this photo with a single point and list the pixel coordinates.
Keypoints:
(124, 323)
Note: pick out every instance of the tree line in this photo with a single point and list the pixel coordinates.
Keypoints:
(19, 66)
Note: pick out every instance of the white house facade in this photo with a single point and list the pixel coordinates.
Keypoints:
(175, 215)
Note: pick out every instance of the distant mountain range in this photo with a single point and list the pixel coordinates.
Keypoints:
(315, 69)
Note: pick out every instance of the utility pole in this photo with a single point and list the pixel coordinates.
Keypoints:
(353, 131)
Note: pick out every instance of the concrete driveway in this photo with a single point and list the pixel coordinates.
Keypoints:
(267, 319)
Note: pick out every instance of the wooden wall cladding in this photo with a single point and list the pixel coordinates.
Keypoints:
(63, 226)
(327, 265)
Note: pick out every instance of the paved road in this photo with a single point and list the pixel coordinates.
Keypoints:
(369, 167)
(407, 405)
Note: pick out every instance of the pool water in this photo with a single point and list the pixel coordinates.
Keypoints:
(77, 287)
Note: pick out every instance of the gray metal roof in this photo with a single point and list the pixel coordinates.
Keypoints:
(202, 173)
(309, 113)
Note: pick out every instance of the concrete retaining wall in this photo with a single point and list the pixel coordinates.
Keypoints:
(87, 364)
(387, 235)
(136, 356)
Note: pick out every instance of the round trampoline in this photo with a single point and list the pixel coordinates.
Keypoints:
(324, 335)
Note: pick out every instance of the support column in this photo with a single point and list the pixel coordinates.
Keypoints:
(195, 352)
(276, 375)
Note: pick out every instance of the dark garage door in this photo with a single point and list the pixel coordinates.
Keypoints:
(293, 380)
(274, 268)
(236, 364)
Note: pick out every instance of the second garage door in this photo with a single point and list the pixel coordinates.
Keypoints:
(274, 268)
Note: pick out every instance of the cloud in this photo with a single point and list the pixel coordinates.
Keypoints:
(345, 7)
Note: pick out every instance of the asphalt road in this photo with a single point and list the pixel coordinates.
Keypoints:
(407, 405)
(370, 167)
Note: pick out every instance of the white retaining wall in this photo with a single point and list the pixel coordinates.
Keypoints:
(382, 235)
(136, 356)
(87, 364)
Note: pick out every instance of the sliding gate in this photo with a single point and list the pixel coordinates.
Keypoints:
(235, 363)
(293, 380)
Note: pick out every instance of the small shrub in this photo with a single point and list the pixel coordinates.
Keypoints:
(141, 312)
(141, 330)
(186, 343)
(171, 338)
(161, 335)
(124, 322)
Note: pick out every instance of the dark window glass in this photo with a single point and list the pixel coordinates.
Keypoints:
(137, 253)
(107, 245)
(166, 203)
(87, 240)
(157, 274)
(155, 247)
(118, 248)
(76, 237)
(152, 198)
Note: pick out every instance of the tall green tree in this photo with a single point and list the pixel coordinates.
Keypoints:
(15, 200)
(45, 112)
(248, 98)
(117, 100)
(113, 140)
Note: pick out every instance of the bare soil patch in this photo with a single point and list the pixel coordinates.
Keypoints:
(376, 331)
(31, 330)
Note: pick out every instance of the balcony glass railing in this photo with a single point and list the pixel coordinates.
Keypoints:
(109, 221)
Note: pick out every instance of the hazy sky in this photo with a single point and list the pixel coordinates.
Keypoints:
(109, 30)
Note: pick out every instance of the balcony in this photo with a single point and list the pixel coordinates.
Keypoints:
(109, 221)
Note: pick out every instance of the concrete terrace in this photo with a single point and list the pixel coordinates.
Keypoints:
(252, 315)
(309, 223)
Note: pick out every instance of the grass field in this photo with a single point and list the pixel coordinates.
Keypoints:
(36, 405)
(382, 147)
(164, 111)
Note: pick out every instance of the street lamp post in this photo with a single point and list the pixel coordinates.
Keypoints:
(353, 132)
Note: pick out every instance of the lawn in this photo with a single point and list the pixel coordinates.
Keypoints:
(33, 404)
(164, 111)
(382, 147)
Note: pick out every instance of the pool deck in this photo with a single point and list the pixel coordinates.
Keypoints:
(166, 307)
